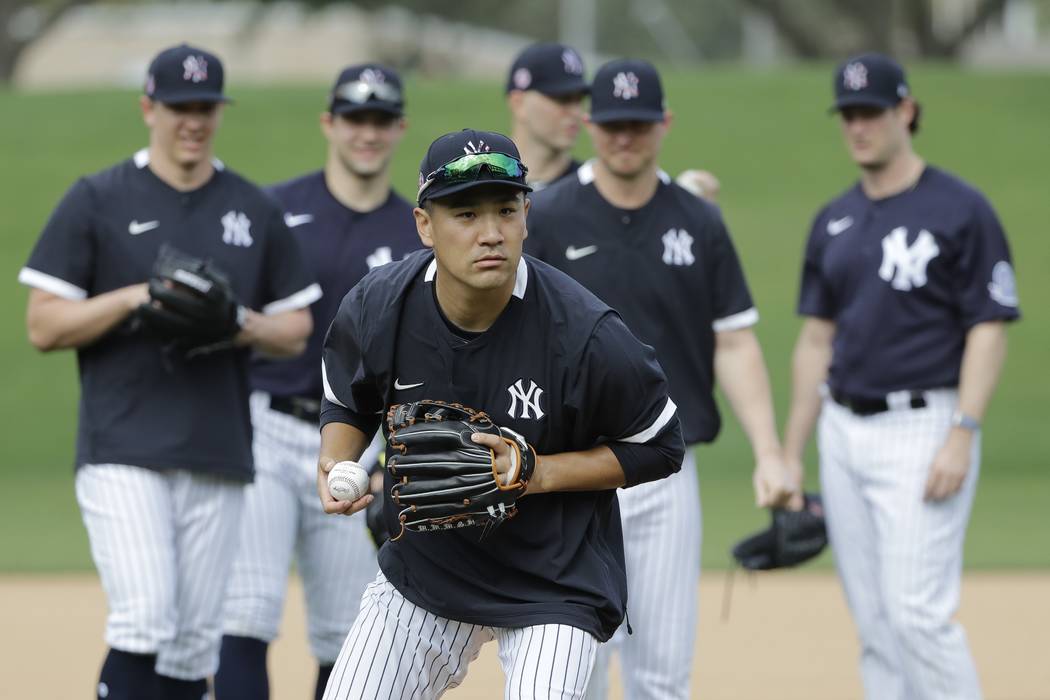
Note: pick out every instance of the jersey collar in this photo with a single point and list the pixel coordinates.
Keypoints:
(141, 159)
(521, 277)
(585, 174)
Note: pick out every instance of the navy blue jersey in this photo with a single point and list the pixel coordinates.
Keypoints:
(136, 406)
(669, 268)
(558, 366)
(569, 171)
(340, 245)
(904, 278)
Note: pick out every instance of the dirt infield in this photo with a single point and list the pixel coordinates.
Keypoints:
(788, 637)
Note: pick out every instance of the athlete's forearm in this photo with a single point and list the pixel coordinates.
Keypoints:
(595, 469)
(741, 373)
(810, 363)
(279, 335)
(56, 323)
(341, 442)
(982, 362)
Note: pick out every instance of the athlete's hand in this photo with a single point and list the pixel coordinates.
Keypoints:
(950, 465)
(773, 487)
(328, 502)
(701, 183)
(500, 449)
(795, 471)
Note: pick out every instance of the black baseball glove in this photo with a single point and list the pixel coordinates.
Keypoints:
(445, 480)
(192, 304)
(793, 537)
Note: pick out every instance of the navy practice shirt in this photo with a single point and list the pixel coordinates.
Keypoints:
(340, 245)
(136, 406)
(555, 366)
(669, 268)
(904, 278)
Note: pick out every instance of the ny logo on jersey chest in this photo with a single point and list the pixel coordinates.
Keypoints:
(525, 403)
(904, 266)
(236, 229)
(381, 256)
(678, 247)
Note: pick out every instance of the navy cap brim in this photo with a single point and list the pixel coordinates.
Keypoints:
(627, 115)
(862, 100)
(370, 106)
(440, 192)
(181, 98)
(567, 87)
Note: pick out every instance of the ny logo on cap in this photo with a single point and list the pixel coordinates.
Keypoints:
(372, 76)
(625, 86)
(571, 60)
(195, 68)
(855, 76)
(482, 147)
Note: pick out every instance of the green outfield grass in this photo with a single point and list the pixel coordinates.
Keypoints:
(765, 134)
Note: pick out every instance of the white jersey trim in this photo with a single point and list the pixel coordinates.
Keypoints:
(59, 287)
(585, 174)
(299, 300)
(521, 278)
(744, 319)
(328, 393)
(659, 424)
(141, 159)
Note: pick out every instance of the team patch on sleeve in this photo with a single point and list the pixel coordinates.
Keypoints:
(1003, 287)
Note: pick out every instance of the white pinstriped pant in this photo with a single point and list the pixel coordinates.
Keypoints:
(283, 516)
(398, 650)
(899, 558)
(162, 543)
(662, 536)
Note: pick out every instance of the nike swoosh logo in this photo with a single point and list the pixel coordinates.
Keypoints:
(401, 387)
(135, 228)
(293, 220)
(574, 253)
(837, 226)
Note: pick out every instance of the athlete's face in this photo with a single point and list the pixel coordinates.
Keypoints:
(552, 121)
(363, 142)
(477, 235)
(628, 149)
(875, 135)
(182, 133)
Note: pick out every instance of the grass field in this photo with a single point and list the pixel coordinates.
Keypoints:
(766, 136)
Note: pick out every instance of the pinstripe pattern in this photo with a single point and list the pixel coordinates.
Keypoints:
(662, 536)
(283, 518)
(899, 558)
(162, 543)
(398, 650)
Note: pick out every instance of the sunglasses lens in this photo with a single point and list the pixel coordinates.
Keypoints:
(468, 166)
(361, 91)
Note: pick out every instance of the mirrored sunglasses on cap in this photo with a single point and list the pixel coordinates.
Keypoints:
(466, 169)
(360, 91)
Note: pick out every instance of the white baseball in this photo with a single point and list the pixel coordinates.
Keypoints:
(347, 481)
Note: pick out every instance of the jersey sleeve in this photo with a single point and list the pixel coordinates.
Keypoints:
(288, 283)
(621, 394)
(731, 305)
(814, 296)
(351, 393)
(63, 259)
(986, 289)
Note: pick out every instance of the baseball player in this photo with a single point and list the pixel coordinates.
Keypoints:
(477, 322)
(347, 220)
(664, 260)
(164, 441)
(906, 288)
(545, 92)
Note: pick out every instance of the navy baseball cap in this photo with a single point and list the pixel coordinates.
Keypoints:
(553, 69)
(184, 74)
(464, 159)
(869, 80)
(368, 86)
(627, 90)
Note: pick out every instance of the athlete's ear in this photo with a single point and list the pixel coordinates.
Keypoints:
(424, 226)
(525, 226)
(326, 124)
(146, 106)
(668, 118)
(514, 100)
